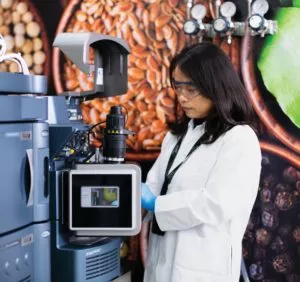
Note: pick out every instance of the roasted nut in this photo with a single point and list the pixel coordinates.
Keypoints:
(6, 4)
(152, 64)
(7, 17)
(94, 115)
(3, 68)
(19, 29)
(39, 57)
(28, 59)
(157, 126)
(162, 20)
(16, 18)
(37, 44)
(10, 43)
(27, 17)
(22, 8)
(140, 37)
(4, 30)
(19, 41)
(122, 7)
(38, 69)
(136, 73)
(141, 106)
(154, 11)
(33, 29)
(13, 67)
(81, 16)
(27, 47)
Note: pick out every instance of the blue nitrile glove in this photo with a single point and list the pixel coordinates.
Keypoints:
(148, 199)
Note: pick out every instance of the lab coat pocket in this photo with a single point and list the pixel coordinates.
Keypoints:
(208, 254)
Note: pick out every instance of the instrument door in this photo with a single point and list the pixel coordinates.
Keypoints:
(16, 175)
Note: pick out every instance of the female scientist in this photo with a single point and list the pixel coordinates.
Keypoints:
(203, 185)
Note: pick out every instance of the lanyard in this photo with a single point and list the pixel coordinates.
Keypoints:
(169, 175)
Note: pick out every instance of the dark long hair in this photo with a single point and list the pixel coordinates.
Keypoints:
(212, 72)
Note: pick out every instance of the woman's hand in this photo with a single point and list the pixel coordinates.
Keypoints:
(148, 198)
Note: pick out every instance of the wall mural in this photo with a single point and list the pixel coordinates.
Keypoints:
(155, 31)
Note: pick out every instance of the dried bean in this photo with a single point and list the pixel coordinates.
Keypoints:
(37, 44)
(6, 4)
(19, 29)
(39, 57)
(38, 69)
(16, 18)
(10, 43)
(27, 17)
(19, 41)
(29, 60)
(22, 8)
(13, 67)
(33, 29)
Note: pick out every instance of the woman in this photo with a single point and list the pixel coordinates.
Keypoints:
(203, 185)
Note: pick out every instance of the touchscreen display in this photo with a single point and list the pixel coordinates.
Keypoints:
(99, 197)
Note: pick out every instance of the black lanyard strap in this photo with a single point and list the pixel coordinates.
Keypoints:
(169, 176)
(173, 155)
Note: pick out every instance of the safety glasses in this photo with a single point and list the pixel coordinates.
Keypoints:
(185, 88)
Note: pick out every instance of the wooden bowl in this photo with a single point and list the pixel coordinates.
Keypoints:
(281, 152)
(9, 26)
(278, 151)
(255, 94)
(56, 55)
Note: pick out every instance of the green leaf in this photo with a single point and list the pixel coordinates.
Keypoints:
(279, 63)
(296, 3)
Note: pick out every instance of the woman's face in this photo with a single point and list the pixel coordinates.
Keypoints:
(193, 103)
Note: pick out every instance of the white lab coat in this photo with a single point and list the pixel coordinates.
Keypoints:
(206, 209)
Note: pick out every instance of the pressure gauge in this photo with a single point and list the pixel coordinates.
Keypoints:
(198, 11)
(191, 27)
(257, 22)
(260, 7)
(228, 9)
(220, 25)
(189, 4)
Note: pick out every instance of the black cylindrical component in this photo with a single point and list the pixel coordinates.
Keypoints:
(114, 148)
(114, 142)
(115, 119)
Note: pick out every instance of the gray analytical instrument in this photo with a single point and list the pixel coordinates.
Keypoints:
(95, 196)
(53, 182)
(24, 189)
